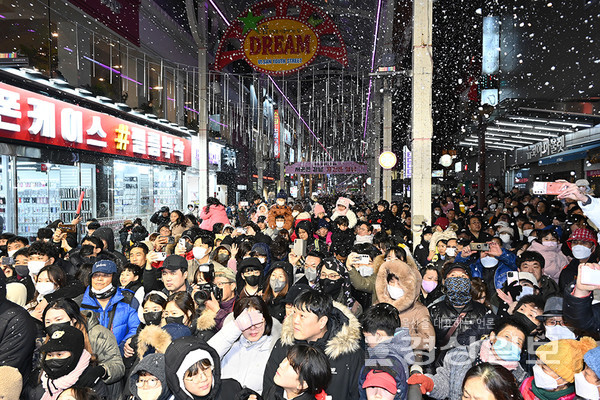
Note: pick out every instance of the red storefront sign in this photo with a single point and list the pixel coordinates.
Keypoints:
(30, 117)
(276, 132)
(122, 16)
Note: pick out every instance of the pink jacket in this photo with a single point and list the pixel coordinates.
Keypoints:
(554, 259)
(214, 215)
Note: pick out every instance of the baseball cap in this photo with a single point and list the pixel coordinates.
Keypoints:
(104, 266)
(449, 267)
(528, 276)
(174, 263)
(381, 379)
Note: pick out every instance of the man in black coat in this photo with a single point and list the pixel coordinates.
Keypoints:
(320, 322)
(161, 216)
(17, 334)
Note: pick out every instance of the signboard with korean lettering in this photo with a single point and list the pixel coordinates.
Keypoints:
(31, 117)
(544, 148)
(276, 133)
(327, 168)
(282, 42)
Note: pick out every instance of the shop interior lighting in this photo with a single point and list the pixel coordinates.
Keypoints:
(513, 124)
(547, 121)
(545, 134)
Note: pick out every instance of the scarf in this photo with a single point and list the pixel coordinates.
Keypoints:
(53, 388)
(486, 355)
(548, 395)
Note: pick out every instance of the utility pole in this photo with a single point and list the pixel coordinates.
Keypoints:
(422, 124)
(387, 136)
(259, 146)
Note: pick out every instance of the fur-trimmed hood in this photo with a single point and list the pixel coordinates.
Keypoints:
(409, 278)
(206, 320)
(152, 336)
(343, 334)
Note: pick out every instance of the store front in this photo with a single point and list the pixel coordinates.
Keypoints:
(52, 150)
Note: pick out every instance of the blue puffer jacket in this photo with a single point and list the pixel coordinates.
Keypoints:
(506, 262)
(125, 320)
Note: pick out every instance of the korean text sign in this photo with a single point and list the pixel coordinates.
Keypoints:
(31, 117)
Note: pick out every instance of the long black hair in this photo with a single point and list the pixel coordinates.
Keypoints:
(211, 201)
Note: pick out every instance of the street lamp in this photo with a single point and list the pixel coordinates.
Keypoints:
(387, 160)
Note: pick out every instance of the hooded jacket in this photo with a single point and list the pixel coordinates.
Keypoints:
(398, 371)
(155, 365)
(215, 214)
(276, 305)
(277, 210)
(105, 347)
(342, 242)
(413, 314)
(554, 259)
(342, 345)
(105, 233)
(185, 352)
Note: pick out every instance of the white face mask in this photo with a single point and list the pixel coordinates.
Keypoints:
(150, 394)
(581, 252)
(45, 288)
(549, 243)
(35, 266)
(279, 224)
(558, 332)
(102, 291)
(527, 232)
(199, 252)
(437, 212)
(516, 213)
(489, 262)
(543, 380)
(525, 290)
(395, 292)
(365, 270)
(585, 389)
(11, 253)
(280, 202)
(451, 251)
(262, 260)
(505, 237)
(530, 238)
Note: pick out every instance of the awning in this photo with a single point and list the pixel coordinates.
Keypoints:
(569, 155)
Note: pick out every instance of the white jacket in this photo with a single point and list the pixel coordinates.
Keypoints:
(592, 210)
(352, 220)
(241, 359)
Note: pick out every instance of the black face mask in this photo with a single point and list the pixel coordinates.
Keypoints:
(153, 318)
(50, 329)
(331, 287)
(3, 249)
(22, 270)
(252, 280)
(222, 259)
(56, 368)
(174, 320)
(529, 324)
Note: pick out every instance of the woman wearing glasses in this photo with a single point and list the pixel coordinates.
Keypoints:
(193, 371)
(148, 380)
(244, 343)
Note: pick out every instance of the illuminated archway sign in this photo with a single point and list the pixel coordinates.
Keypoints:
(281, 42)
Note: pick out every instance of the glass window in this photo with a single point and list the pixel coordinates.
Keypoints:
(167, 188)
(33, 193)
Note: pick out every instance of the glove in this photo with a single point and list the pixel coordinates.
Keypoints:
(247, 318)
(423, 380)
(93, 375)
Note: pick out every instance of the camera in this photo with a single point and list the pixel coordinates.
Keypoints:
(204, 292)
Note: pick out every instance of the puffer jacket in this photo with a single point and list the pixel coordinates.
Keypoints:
(120, 314)
(396, 366)
(352, 220)
(105, 347)
(554, 259)
(413, 314)
(242, 359)
(277, 210)
(527, 392)
(185, 352)
(216, 214)
(341, 344)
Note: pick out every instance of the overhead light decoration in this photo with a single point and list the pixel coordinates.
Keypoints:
(446, 160)
(387, 160)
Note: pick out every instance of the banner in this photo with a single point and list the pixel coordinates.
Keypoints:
(328, 168)
(276, 133)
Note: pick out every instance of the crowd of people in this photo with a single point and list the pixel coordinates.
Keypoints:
(321, 298)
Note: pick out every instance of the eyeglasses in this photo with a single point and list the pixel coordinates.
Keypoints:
(554, 322)
(333, 276)
(152, 382)
(196, 377)
(221, 284)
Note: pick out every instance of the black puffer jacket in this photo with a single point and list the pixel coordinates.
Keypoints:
(182, 354)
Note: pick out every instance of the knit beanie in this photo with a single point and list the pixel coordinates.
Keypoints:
(318, 209)
(592, 359)
(11, 383)
(565, 356)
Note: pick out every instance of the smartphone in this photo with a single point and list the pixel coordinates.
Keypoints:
(479, 246)
(161, 256)
(300, 247)
(364, 259)
(552, 188)
(182, 242)
(589, 276)
(243, 204)
(67, 228)
(241, 231)
(511, 277)
(7, 261)
(170, 239)
(377, 227)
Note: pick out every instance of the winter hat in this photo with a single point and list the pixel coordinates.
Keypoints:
(11, 383)
(552, 308)
(318, 209)
(344, 201)
(17, 293)
(298, 208)
(543, 219)
(442, 222)
(282, 195)
(104, 266)
(505, 229)
(565, 356)
(584, 235)
(323, 224)
(592, 360)
(250, 262)
(175, 263)
(449, 267)
(225, 273)
(153, 364)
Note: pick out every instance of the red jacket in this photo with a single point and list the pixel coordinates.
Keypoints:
(215, 214)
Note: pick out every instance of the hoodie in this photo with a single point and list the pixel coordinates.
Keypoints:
(342, 345)
(105, 233)
(413, 314)
(155, 365)
(185, 352)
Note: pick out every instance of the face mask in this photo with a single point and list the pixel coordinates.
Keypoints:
(222, 259)
(149, 394)
(458, 290)
(174, 320)
(437, 212)
(492, 207)
(55, 368)
(153, 318)
(525, 290)
(428, 286)
(395, 292)
(505, 237)
(50, 329)
(506, 350)
(530, 238)
(489, 262)
(36, 266)
(311, 274)
(295, 213)
(516, 213)
(331, 287)
(103, 293)
(558, 332)
(45, 288)
(550, 244)
(451, 251)
(279, 224)
(280, 202)
(22, 270)
(199, 252)
(527, 232)
(529, 324)
(262, 260)
(543, 380)
(11, 253)
(277, 284)
(581, 252)
(252, 280)
(365, 270)
(584, 389)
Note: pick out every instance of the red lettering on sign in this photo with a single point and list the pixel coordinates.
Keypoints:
(254, 46)
(267, 42)
(303, 44)
(290, 47)
(278, 48)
